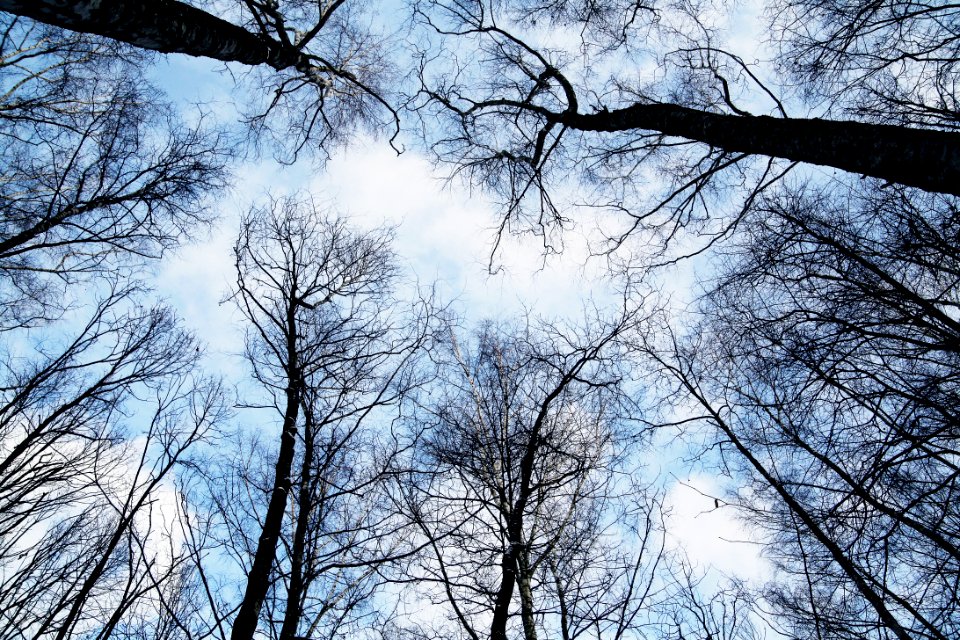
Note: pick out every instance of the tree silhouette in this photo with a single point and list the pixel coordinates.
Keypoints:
(325, 345)
(538, 104)
(827, 359)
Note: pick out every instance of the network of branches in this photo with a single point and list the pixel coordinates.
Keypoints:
(383, 469)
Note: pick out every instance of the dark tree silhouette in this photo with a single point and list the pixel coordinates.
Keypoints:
(519, 87)
(535, 521)
(829, 361)
(99, 176)
(331, 347)
(91, 434)
(824, 356)
(658, 122)
(516, 458)
(327, 75)
(100, 400)
(887, 61)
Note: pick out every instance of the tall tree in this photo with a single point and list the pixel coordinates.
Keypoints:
(100, 174)
(91, 435)
(828, 360)
(662, 126)
(535, 520)
(101, 401)
(327, 73)
(515, 477)
(331, 347)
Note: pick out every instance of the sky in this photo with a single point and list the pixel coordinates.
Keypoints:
(445, 240)
(444, 234)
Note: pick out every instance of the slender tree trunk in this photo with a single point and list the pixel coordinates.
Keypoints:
(159, 25)
(511, 564)
(501, 607)
(293, 611)
(924, 158)
(526, 595)
(258, 580)
(562, 599)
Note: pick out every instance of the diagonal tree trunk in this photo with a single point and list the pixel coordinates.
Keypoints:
(924, 158)
(166, 26)
(258, 580)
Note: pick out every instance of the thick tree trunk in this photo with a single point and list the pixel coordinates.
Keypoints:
(159, 25)
(924, 158)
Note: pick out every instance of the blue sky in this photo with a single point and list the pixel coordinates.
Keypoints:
(445, 231)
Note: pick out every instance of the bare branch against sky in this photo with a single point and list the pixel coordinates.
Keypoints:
(479, 319)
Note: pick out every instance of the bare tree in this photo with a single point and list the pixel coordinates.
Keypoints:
(641, 102)
(690, 609)
(91, 434)
(101, 398)
(519, 86)
(100, 175)
(890, 62)
(327, 72)
(827, 360)
(333, 350)
(536, 520)
(516, 476)
(824, 358)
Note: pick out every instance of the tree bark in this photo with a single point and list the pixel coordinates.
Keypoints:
(524, 576)
(166, 26)
(511, 564)
(501, 607)
(923, 158)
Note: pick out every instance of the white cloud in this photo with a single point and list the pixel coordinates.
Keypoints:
(195, 282)
(446, 232)
(701, 524)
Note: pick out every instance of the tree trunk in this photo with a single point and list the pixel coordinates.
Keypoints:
(512, 565)
(166, 26)
(923, 158)
(258, 580)
(501, 608)
(524, 576)
(293, 611)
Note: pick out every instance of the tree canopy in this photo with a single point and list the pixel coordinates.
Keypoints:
(386, 471)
